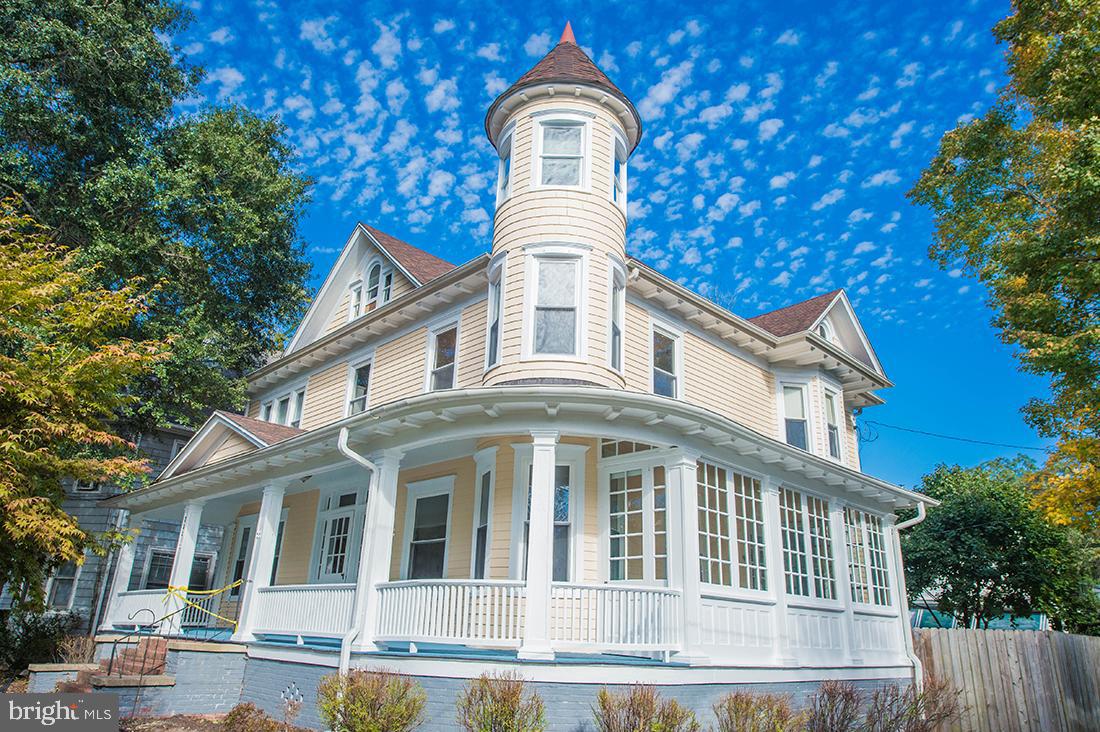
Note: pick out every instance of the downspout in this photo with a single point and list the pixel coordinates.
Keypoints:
(918, 667)
(361, 575)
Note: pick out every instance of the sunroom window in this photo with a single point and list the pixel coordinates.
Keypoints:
(637, 525)
(795, 416)
(807, 545)
(556, 306)
(870, 580)
(731, 529)
(562, 158)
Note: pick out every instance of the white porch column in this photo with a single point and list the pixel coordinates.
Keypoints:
(683, 548)
(773, 536)
(120, 582)
(540, 543)
(184, 557)
(843, 581)
(376, 548)
(258, 574)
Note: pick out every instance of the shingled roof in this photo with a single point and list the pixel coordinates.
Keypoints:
(417, 262)
(565, 64)
(269, 432)
(795, 318)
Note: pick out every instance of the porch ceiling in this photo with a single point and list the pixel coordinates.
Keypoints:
(443, 417)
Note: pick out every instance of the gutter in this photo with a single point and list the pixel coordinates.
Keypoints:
(918, 667)
(362, 573)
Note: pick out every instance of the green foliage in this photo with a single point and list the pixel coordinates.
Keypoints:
(370, 701)
(206, 204)
(987, 551)
(28, 637)
(65, 371)
(742, 711)
(640, 709)
(1015, 195)
(500, 703)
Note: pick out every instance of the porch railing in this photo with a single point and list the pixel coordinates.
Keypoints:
(199, 611)
(468, 612)
(615, 617)
(304, 610)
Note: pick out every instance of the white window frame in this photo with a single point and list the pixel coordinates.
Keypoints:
(550, 118)
(505, 157)
(866, 563)
(667, 329)
(814, 597)
(354, 366)
(485, 462)
(644, 461)
(619, 182)
(736, 590)
(616, 303)
(825, 330)
(578, 253)
(354, 538)
(77, 569)
(443, 485)
(434, 331)
(357, 299)
(177, 445)
(385, 285)
(781, 409)
(147, 564)
(269, 407)
(564, 454)
(838, 406)
(495, 315)
(248, 521)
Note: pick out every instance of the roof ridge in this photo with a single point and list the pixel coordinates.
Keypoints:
(420, 263)
(797, 316)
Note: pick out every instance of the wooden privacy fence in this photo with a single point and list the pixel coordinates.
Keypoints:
(1017, 679)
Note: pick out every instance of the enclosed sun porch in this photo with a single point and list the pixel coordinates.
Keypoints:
(494, 523)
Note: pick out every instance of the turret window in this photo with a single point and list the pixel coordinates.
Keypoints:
(494, 314)
(556, 306)
(618, 296)
(618, 174)
(504, 172)
(562, 155)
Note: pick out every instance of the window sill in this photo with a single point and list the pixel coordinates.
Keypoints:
(881, 611)
(713, 592)
(812, 603)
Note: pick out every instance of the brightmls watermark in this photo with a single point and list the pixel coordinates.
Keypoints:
(62, 712)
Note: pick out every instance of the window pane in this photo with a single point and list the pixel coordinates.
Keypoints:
(160, 569)
(483, 507)
(796, 433)
(561, 552)
(795, 568)
(372, 281)
(664, 384)
(749, 511)
(557, 283)
(445, 347)
(834, 442)
(443, 378)
(714, 537)
(283, 410)
(200, 574)
(561, 172)
(664, 352)
(427, 560)
(561, 139)
(793, 406)
(431, 518)
(821, 548)
(479, 552)
(555, 331)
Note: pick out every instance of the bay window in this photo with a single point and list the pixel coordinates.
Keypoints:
(561, 155)
(807, 545)
(795, 419)
(867, 567)
(832, 423)
(441, 358)
(557, 302)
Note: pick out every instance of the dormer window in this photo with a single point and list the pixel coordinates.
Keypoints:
(561, 154)
(355, 302)
(374, 278)
(504, 170)
(379, 287)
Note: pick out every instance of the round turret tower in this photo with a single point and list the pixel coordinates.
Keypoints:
(564, 133)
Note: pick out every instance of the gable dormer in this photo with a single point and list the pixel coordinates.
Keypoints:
(373, 269)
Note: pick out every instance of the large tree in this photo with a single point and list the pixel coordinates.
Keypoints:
(65, 367)
(207, 204)
(1016, 198)
(987, 551)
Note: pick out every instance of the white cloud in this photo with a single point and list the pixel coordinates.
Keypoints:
(712, 116)
(908, 76)
(828, 199)
(490, 52)
(444, 95)
(863, 247)
(388, 46)
(228, 79)
(737, 92)
(769, 128)
(788, 38)
(882, 178)
(396, 95)
(316, 32)
(815, 160)
(783, 279)
(827, 73)
(494, 84)
(903, 129)
(443, 25)
(537, 45)
(688, 145)
(781, 181)
(440, 182)
(301, 106)
(399, 138)
(834, 130)
(221, 36)
(666, 90)
(859, 215)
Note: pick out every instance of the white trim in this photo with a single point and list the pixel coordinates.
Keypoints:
(349, 386)
(248, 521)
(485, 462)
(577, 253)
(828, 390)
(804, 383)
(213, 421)
(78, 567)
(357, 512)
(574, 456)
(842, 300)
(616, 269)
(507, 138)
(658, 325)
(569, 117)
(434, 331)
(619, 138)
(442, 485)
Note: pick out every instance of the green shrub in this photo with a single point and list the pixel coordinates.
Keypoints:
(28, 637)
(641, 710)
(499, 703)
(370, 701)
(248, 718)
(896, 709)
(834, 708)
(746, 712)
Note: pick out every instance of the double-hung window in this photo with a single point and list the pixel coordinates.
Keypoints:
(158, 570)
(562, 153)
(481, 525)
(556, 306)
(494, 314)
(807, 545)
(867, 567)
(299, 400)
(618, 174)
(355, 301)
(504, 169)
(666, 363)
(59, 592)
(563, 515)
(731, 528)
(428, 516)
(795, 417)
(832, 423)
(358, 389)
(618, 306)
(442, 358)
(285, 409)
(282, 410)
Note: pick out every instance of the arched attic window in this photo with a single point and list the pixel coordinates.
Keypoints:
(825, 330)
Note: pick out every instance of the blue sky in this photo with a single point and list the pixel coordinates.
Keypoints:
(780, 140)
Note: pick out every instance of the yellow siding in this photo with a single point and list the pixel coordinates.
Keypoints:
(462, 517)
(716, 379)
(325, 394)
(470, 363)
(254, 408)
(339, 317)
(233, 446)
(399, 368)
(636, 348)
(301, 521)
(500, 542)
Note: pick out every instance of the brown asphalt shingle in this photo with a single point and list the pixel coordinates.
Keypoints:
(269, 432)
(794, 318)
(419, 263)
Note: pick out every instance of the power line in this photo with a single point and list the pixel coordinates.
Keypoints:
(952, 437)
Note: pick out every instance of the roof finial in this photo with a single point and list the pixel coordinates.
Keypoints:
(567, 34)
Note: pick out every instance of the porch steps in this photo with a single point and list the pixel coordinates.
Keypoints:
(142, 664)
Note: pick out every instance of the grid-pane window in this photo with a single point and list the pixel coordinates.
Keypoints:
(556, 306)
(715, 565)
(429, 537)
(832, 424)
(355, 306)
(562, 154)
(443, 366)
(660, 523)
(821, 547)
(626, 526)
(749, 508)
(481, 533)
(664, 364)
(858, 569)
(160, 569)
(334, 550)
(794, 416)
(795, 566)
(876, 554)
(61, 586)
(374, 280)
(360, 384)
(611, 448)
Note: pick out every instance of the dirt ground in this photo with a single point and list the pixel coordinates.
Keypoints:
(179, 723)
